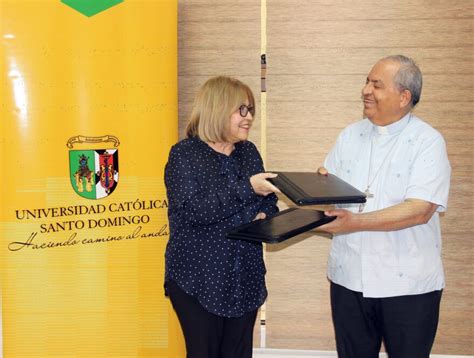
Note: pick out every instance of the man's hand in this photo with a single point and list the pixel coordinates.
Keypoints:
(345, 222)
(323, 171)
(407, 214)
(261, 185)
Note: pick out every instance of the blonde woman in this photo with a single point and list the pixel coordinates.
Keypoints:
(215, 182)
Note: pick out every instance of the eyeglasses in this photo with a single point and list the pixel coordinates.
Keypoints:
(244, 110)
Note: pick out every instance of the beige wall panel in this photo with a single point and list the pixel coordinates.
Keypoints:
(451, 115)
(299, 149)
(215, 11)
(215, 39)
(388, 34)
(312, 114)
(324, 10)
(319, 54)
(236, 62)
(221, 34)
(303, 260)
(455, 328)
(355, 60)
(458, 219)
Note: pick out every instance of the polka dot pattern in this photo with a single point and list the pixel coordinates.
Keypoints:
(209, 194)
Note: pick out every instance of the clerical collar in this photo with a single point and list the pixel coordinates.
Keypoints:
(394, 128)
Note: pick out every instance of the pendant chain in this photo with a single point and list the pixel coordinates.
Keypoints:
(370, 182)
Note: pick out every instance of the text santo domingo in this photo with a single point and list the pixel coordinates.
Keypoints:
(94, 223)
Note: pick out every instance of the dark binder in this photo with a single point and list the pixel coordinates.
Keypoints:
(316, 189)
(282, 226)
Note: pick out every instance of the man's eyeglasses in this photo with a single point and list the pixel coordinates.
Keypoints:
(244, 110)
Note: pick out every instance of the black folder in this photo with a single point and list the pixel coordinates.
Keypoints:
(316, 189)
(282, 226)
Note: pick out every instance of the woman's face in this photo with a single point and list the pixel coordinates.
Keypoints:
(240, 123)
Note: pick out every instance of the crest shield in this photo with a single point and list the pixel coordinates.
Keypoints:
(93, 173)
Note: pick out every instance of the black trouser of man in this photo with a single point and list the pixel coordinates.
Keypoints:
(407, 324)
(208, 335)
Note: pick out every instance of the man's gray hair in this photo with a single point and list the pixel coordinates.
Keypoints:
(408, 77)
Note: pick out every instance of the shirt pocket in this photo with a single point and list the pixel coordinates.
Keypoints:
(344, 169)
(396, 182)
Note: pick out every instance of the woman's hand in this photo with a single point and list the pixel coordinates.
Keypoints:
(261, 185)
(260, 216)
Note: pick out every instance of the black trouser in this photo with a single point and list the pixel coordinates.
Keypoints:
(208, 335)
(407, 324)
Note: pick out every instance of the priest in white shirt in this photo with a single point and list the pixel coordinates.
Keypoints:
(385, 262)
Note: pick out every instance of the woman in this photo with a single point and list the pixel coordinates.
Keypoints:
(215, 182)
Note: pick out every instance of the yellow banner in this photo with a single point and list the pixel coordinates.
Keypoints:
(88, 113)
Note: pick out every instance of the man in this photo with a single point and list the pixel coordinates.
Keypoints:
(385, 262)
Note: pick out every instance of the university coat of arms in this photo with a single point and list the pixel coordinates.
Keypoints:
(93, 173)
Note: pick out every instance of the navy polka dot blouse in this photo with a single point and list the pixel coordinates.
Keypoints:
(209, 194)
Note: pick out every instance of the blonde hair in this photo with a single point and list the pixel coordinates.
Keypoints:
(215, 102)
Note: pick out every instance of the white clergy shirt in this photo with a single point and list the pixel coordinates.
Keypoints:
(406, 159)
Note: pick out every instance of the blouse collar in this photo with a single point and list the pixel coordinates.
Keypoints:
(205, 146)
